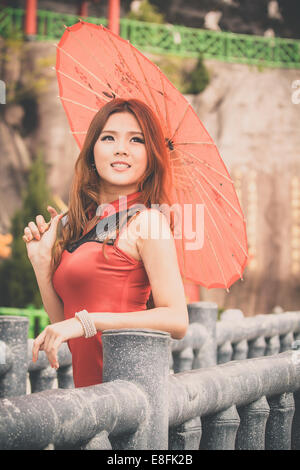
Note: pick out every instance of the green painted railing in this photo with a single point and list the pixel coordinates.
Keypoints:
(170, 39)
(38, 319)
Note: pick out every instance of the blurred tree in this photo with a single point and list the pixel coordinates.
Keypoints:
(197, 80)
(18, 286)
(145, 11)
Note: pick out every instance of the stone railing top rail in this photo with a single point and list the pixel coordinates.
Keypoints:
(210, 390)
(234, 327)
(67, 418)
(70, 417)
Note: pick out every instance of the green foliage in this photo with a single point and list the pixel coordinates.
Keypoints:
(147, 12)
(171, 66)
(260, 68)
(220, 311)
(186, 82)
(18, 286)
(34, 82)
(198, 79)
(13, 36)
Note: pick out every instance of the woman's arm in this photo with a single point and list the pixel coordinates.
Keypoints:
(40, 238)
(157, 249)
(52, 303)
(158, 252)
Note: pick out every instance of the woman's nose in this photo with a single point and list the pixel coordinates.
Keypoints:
(120, 147)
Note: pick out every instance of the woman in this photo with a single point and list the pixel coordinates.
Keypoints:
(91, 279)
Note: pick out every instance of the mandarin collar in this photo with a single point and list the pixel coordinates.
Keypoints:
(119, 204)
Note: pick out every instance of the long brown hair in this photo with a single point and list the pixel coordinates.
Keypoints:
(84, 192)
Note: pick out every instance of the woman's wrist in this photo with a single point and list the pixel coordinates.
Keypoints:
(87, 323)
(41, 262)
(102, 321)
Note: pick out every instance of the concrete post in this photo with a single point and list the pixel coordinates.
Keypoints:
(205, 313)
(14, 333)
(142, 357)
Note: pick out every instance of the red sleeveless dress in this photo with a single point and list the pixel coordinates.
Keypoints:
(85, 279)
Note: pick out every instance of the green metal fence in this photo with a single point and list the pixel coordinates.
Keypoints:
(38, 319)
(170, 39)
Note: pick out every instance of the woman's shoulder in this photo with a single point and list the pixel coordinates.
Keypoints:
(152, 223)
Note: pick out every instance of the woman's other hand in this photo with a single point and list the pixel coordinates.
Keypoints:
(53, 336)
(40, 236)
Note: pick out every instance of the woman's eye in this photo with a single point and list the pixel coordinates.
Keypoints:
(138, 138)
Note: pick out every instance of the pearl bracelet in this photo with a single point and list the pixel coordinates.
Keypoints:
(87, 323)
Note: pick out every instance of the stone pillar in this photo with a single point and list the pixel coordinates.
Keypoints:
(30, 19)
(141, 356)
(205, 313)
(14, 333)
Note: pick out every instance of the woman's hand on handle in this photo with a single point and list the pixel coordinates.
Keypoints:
(40, 236)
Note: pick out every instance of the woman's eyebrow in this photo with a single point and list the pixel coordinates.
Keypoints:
(129, 132)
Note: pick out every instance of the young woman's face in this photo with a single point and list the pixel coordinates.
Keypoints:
(121, 140)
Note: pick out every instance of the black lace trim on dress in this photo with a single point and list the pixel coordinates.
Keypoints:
(106, 226)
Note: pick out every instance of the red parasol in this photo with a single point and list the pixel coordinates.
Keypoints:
(93, 66)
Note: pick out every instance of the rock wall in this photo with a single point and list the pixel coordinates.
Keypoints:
(254, 121)
(35, 122)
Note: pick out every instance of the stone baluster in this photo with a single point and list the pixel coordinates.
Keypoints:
(251, 433)
(183, 360)
(219, 430)
(187, 436)
(272, 345)
(257, 347)
(240, 350)
(286, 341)
(225, 352)
(42, 379)
(279, 424)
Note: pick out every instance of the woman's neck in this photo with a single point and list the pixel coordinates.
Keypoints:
(107, 196)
